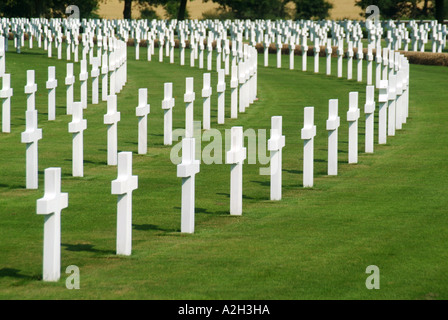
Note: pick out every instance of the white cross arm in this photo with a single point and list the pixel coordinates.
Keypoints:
(95, 73)
(189, 165)
(333, 123)
(51, 203)
(125, 181)
(369, 107)
(383, 96)
(353, 110)
(168, 103)
(391, 88)
(142, 110)
(124, 184)
(69, 80)
(236, 156)
(53, 200)
(51, 84)
(111, 118)
(206, 92)
(78, 126)
(6, 93)
(30, 88)
(353, 115)
(143, 107)
(276, 143)
(308, 132)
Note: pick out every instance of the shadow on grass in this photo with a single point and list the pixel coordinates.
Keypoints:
(151, 227)
(85, 247)
(228, 195)
(12, 186)
(202, 210)
(15, 273)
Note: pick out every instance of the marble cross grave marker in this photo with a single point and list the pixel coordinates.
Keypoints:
(6, 94)
(369, 109)
(307, 134)
(142, 111)
(167, 106)
(111, 118)
(236, 156)
(275, 146)
(189, 98)
(187, 170)
(77, 127)
(51, 206)
(333, 124)
(69, 82)
(221, 89)
(123, 187)
(352, 118)
(51, 85)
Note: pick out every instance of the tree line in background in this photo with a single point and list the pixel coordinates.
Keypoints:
(229, 9)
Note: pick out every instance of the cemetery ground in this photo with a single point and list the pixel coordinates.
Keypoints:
(389, 210)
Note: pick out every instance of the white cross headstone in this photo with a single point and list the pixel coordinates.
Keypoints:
(340, 56)
(221, 89)
(275, 146)
(51, 85)
(279, 51)
(328, 51)
(218, 54)
(209, 53)
(316, 50)
(2, 55)
(234, 93)
(51, 206)
(77, 127)
(385, 64)
(112, 72)
(30, 90)
(350, 54)
(104, 79)
(378, 62)
(242, 81)
(333, 124)
(206, 93)
(187, 171)
(352, 118)
(123, 187)
(6, 93)
(31, 135)
(360, 56)
(201, 53)
(111, 118)
(142, 111)
(167, 106)
(382, 112)
(392, 95)
(369, 65)
(236, 156)
(95, 74)
(369, 109)
(307, 134)
(398, 101)
(189, 98)
(69, 82)
(266, 49)
(304, 52)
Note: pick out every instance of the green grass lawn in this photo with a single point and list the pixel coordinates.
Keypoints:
(389, 210)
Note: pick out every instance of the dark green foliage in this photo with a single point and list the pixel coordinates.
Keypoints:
(254, 9)
(414, 9)
(312, 9)
(46, 8)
